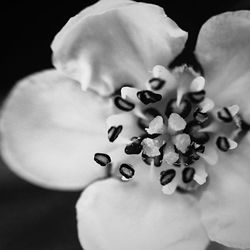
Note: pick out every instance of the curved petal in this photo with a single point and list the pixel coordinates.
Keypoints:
(225, 204)
(50, 130)
(111, 44)
(115, 215)
(223, 49)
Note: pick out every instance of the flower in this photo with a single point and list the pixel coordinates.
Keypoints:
(196, 128)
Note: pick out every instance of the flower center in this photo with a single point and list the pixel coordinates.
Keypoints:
(179, 125)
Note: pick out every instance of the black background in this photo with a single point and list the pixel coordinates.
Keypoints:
(32, 218)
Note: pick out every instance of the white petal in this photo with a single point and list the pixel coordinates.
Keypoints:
(50, 131)
(113, 215)
(223, 50)
(116, 44)
(225, 204)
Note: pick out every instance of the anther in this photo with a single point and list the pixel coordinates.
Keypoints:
(188, 174)
(156, 83)
(226, 114)
(200, 116)
(135, 147)
(102, 159)
(127, 171)
(197, 97)
(197, 84)
(183, 109)
(114, 132)
(147, 96)
(167, 176)
(223, 143)
(123, 104)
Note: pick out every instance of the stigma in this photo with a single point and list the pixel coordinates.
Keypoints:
(182, 131)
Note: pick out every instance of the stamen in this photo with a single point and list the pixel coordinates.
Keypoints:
(160, 72)
(188, 174)
(129, 92)
(207, 105)
(156, 83)
(200, 175)
(176, 122)
(183, 109)
(182, 142)
(156, 126)
(135, 147)
(200, 116)
(123, 104)
(102, 159)
(167, 176)
(147, 97)
(127, 171)
(197, 84)
(114, 132)
(226, 114)
(223, 143)
(197, 97)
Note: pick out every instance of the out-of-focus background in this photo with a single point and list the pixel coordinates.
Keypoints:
(32, 218)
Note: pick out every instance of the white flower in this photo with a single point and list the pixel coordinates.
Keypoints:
(51, 128)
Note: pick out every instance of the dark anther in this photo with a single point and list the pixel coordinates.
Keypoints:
(225, 115)
(200, 149)
(200, 116)
(150, 113)
(158, 159)
(222, 143)
(197, 97)
(183, 109)
(156, 83)
(123, 104)
(167, 176)
(177, 163)
(114, 132)
(192, 129)
(147, 96)
(188, 174)
(146, 159)
(134, 147)
(102, 159)
(191, 155)
(127, 171)
(150, 136)
(188, 161)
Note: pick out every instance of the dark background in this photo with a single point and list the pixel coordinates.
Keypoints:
(32, 218)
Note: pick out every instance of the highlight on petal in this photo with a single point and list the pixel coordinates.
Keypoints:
(116, 215)
(50, 131)
(223, 50)
(225, 204)
(114, 43)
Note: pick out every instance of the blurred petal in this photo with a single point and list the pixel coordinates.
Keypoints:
(223, 49)
(114, 215)
(225, 204)
(115, 43)
(50, 130)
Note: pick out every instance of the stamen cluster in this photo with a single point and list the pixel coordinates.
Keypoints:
(179, 127)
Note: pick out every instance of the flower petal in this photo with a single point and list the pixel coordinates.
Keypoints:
(114, 215)
(111, 44)
(223, 50)
(50, 130)
(225, 204)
